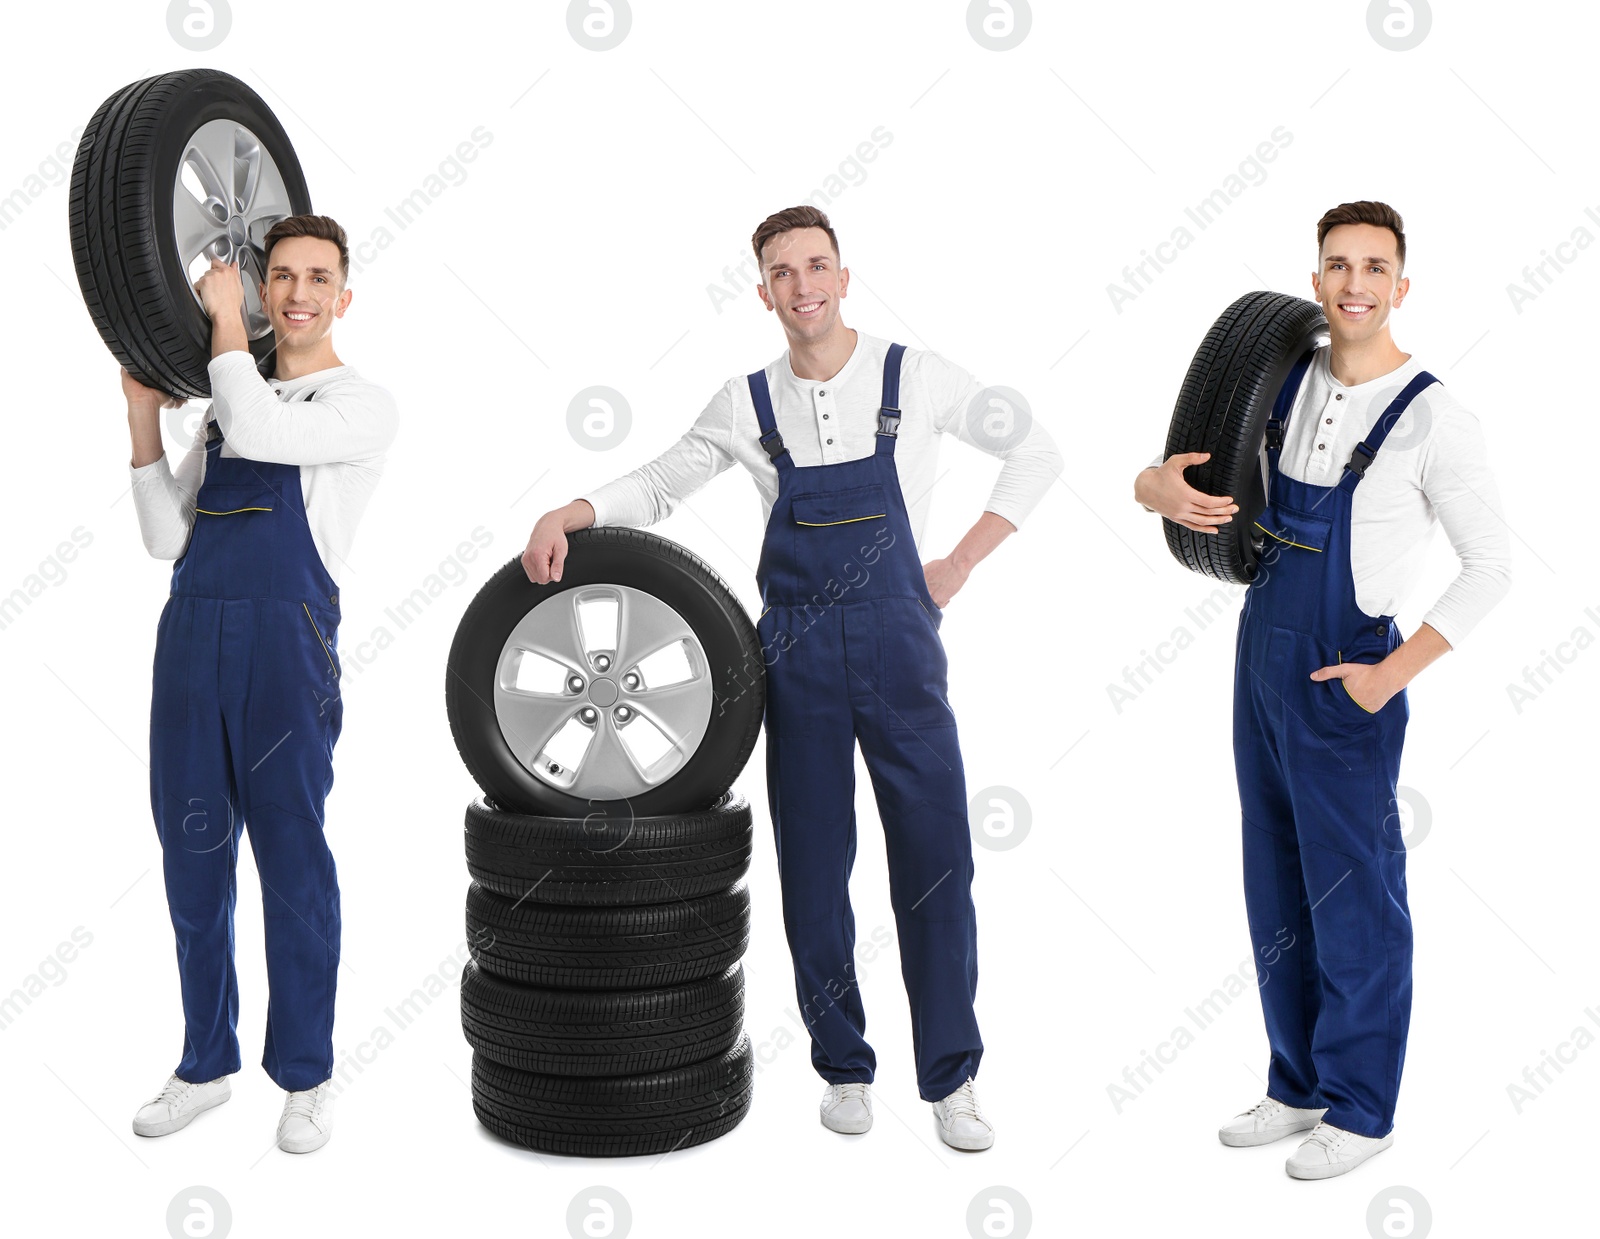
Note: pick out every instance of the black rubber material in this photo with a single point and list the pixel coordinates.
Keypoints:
(1222, 408)
(607, 947)
(608, 861)
(615, 556)
(601, 1032)
(120, 216)
(616, 1116)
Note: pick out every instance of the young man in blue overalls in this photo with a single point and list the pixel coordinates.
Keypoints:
(245, 707)
(850, 631)
(1365, 450)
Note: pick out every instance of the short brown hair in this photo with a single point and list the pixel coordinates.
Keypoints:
(322, 227)
(786, 221)
(1378, 214)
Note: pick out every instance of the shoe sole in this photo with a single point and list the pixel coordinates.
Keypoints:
(168, 1126)
(849, 1129)
(1253, 1139)
(968, 1146)
(1336, 1169)
(305, 1146)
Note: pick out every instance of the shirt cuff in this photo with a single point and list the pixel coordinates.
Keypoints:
(1445, 628)
(142, 472)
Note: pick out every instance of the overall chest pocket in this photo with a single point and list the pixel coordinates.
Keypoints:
(1285, 526)
(236, 498)
(841, 507)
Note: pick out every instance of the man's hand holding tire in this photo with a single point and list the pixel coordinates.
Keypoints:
(546, 551)
(1162, 488)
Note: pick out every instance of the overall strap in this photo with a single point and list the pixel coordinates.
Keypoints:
(1362, 457)
(1284, 405)
(889, 412)
(770, 439)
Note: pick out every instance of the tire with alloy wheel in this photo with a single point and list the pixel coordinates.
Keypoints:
(631, 688)
(607, 947)
(615, 1116)
(601, 1032)
(173, 170)
(609, 860)
(1222, 408)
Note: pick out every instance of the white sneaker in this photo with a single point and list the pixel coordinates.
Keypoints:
(1331, 1150)
(307, 1120)
(961, 1123)
(847, 1108)
(177, 1103)
(1266, 1121)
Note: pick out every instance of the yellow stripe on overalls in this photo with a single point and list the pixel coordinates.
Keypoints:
(1287, 541)
(848, 520)
(318, 631)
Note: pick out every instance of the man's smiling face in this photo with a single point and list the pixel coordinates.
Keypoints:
(303, 293)
(1359, 281)
(803, 282)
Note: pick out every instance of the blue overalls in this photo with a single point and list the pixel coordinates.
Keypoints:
(1324, 860)
(244, 714)
(850, 636)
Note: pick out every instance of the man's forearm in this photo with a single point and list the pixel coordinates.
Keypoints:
(229, 335)
(988, 532)
(1417, 651)
(144, 429)
(579, 514)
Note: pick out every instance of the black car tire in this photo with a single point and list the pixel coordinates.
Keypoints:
(1222, 408)
(600, 1032)
(609, 860)
(121, 211)
(616, 1116)
(607, 947)
(599, 558)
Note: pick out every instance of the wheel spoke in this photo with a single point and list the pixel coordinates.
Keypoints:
(529, 720)
(645, 626)
(209, 159)
(246, 169)
(269, 201)
(252, 272)
(194, 223)
(608, 771)
(680, 710)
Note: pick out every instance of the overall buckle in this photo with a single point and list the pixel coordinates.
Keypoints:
(1360, 459)
(888, 421)
(1274, 434)
(773, 442)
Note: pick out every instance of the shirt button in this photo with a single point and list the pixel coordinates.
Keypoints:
(830, 440)
(1338, 395)
(1327, 421)
(1320, 446)
(824, 417)
(823, 392)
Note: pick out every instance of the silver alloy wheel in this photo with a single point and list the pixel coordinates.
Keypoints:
(236, 195)
(614, 688)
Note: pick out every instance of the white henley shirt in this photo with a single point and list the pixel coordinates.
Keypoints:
(824, 421)
(339, 439)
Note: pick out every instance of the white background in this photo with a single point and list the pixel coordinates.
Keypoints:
(579, 250)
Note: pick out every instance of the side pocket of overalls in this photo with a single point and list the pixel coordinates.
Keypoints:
(916, 670)
(323, 625)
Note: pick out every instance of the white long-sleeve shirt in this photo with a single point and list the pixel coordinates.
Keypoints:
(1433, 467)
(339, 439)
(824, 421)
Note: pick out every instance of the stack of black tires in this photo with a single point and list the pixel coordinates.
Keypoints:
(608, 911)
